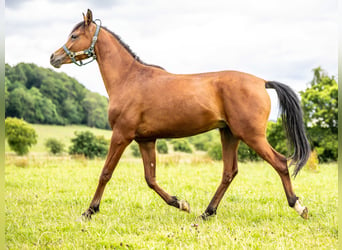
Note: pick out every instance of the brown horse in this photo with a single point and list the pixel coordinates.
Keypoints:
(146, 102)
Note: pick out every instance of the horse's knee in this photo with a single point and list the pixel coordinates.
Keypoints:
(105, 177)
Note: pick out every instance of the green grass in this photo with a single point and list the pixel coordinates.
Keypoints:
(62, 133)
(45, 197)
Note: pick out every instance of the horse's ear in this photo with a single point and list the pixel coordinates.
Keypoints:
(88, 18)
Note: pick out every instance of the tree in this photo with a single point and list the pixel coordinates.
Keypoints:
(33, 74)
(44, 96)
(73, 114)
(20, 135)
(320, 105)
(44, 110)
(96, 109)
(15, 75)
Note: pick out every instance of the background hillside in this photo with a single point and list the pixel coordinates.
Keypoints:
(40, 95)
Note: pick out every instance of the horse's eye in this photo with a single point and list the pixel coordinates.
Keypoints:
(73, 37)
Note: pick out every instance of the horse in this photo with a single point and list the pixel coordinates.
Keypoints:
(147, 103)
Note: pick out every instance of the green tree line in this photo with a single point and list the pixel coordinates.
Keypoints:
(40, 95)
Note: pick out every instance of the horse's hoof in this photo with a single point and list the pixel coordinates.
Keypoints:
(86, 215)
(301, 210)
(206, 216)
(184, 206)
(89, 212)
(305, 213)
(210, 211)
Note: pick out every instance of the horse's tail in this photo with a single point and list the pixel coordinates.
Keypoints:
(292, 117)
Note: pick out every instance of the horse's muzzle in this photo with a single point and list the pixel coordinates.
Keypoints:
(56, 61)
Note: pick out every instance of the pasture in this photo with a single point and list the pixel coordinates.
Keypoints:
(45, 196)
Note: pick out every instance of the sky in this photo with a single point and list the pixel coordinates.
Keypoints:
(272, 39)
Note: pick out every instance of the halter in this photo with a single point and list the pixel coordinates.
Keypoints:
(89, 52)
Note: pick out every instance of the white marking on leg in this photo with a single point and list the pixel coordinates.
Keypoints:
(184, 206)
(299, 208)
(152, 165)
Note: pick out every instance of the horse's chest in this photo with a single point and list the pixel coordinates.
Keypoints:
(114, 112)
(122, 114)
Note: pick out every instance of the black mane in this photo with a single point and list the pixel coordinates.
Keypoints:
(129, 49)
(81, 25)
(77, 26)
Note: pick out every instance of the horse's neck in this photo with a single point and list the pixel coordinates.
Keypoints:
(114, 61)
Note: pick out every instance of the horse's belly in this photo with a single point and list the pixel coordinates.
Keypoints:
(180, 123)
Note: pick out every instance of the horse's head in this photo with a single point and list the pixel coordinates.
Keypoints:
(80, 44)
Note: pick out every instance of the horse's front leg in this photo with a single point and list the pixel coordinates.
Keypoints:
(117, 147)
(148, 154)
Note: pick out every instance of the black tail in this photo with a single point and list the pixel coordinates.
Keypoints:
(291, 114)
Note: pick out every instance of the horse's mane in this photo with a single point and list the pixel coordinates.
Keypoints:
(81, 24)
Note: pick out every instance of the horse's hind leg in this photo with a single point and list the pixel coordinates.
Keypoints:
(230, 169)
(279, 163)
(148, 154)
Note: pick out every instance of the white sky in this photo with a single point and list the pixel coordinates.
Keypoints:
(272, 39)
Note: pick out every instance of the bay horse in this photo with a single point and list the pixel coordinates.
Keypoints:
(146, 103)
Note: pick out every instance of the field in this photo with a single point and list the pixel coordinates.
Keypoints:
(62, 133)
(45, 196)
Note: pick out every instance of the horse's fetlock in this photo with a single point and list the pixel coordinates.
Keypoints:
(292, 201)
(174, 202)
(210, 211)
(95, 209)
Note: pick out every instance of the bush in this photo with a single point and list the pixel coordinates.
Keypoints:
(20, 135)
(245, 153)
(181, 145)
(201, 145)
(87, 144)
(54, 146)
(135, 150)
(215, 151)
(202, 142)
(276, 136)
(162, 147)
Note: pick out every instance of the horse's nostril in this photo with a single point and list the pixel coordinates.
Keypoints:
(52, 56)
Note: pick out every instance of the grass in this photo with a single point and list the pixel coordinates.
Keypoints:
(62, 133)
(46, 195)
